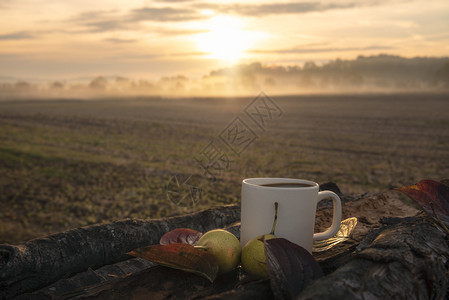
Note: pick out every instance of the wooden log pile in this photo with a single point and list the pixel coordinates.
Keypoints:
(395, 253)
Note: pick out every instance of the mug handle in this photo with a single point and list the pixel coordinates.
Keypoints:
(336, 220)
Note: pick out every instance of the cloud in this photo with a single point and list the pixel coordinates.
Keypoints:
(153, 56)
(120, 41)
(164, 14)
(173, 32)
(5, 4)
(441, 36)
(259, 10)
(287, 8)
(102, 26)
(20, 35)
(318, 50)
(104, 21)
(99, 21)
(131, 57)
(186, 10)
(197, 53)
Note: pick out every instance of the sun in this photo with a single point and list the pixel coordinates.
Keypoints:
(225, 39)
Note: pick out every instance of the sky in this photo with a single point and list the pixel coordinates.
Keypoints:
(70, 39)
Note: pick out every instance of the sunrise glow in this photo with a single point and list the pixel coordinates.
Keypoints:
(225, 39)
(151, 39)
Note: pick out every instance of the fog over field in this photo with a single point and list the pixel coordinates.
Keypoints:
(381, 73)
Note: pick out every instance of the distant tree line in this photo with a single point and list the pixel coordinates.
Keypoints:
(365, 73)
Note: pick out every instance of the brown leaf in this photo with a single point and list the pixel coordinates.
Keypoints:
(180, 256)
(290, 267)
(428, 193)
(181, 235)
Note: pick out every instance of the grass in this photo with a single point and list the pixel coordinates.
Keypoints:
(72, 163)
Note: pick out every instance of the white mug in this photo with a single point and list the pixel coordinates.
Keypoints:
(297, 203)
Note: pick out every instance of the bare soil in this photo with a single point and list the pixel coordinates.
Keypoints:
(71, 163)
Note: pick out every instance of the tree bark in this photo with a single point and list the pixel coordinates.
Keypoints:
(41, 261)
(407, 259)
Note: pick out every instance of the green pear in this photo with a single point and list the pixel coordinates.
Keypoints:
(224, 246)
(254, 260)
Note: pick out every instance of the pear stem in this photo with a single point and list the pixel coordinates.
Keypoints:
(275, 217)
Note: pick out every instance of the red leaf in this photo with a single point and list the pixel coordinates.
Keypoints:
(290, 267)
(428, 193)
(181, 235)
(180, 256)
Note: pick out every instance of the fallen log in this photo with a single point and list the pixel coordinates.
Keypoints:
(407, 259)
(166, 283)
(105, 278)
(87, 278)
(41, 261)
(404, 259)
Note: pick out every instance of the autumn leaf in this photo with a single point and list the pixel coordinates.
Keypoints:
(181, 235)
(290, 267)
(347, 227)
(180, 256)
(432, 196)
